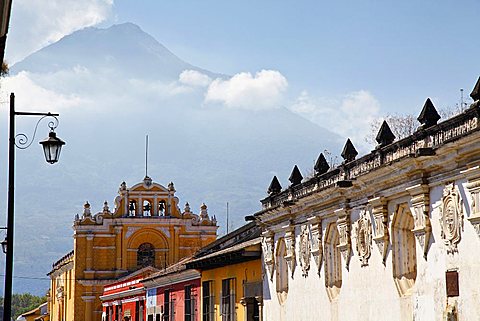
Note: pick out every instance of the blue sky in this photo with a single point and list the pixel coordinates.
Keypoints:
(400, 51)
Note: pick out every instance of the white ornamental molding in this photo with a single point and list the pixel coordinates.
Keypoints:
(268, 257)
(363, 232)
(420, 198)
(290, 247)
(451, 220)
(316, 241)
(473, 186)
(344, 229)
(305, 250)
(380, 217)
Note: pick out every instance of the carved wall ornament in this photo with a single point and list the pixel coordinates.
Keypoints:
(451, 220)
(380, 217)
(420, 198)
(305, 250)
(363, 231)
(268, 255)
(473, 186)
(343, 226)
(290, 247)
(316, 241)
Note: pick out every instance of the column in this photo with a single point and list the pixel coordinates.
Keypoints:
(118, 247)
(89, 252)
(344, 228)
(420, 194)
(473, 186)
(380, 217)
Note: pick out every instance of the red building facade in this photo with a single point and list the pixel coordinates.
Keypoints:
(125, 299)
(173, 294)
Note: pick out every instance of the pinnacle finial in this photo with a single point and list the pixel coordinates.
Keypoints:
(274, 187)
(428, 116)
(349, 152)
(296, 177)
(321, 166)
(476, 91)
(385, 135)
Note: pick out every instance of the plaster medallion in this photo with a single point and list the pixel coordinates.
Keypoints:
(364, 237)
(305, 250)
(451, 220)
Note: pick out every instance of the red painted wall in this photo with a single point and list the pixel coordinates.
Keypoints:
(177, 295)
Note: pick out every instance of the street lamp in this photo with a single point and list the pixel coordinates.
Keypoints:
(51, 147)
(4, 245)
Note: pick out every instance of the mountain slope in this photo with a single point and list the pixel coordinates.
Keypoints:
(128, 87)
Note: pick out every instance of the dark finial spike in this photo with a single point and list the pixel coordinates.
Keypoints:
(296, 177)
(349, 152)
(385, 135)
(429, 115)
(321, 166)
(476, 91)
(274, 187)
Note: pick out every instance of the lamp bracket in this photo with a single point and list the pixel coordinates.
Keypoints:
(22, 141)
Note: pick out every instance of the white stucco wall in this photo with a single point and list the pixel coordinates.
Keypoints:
(369, 292)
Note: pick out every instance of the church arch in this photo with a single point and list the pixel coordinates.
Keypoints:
(157, 249)
(333, 262)
(281, 271)
(404, 255)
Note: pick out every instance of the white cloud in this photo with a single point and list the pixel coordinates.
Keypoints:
(30, 96)
(194, 78)
(36, 23)
(351, 116)
(263, 91)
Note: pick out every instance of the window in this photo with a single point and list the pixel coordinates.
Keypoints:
(281, 271)
(168, 307)
(208, 301)
(132, 207)
(161, 208)
(333, 262)
(404, 251)
(147, 208)
(150, 317)
(228, 300)
(189, 307)
(146, 255)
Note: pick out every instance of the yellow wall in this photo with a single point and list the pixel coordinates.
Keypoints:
(246, 272)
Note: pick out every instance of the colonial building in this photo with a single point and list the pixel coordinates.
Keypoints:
(231, 276)
(174, 294)
(125, 299)
(146, 228)
(393, 235)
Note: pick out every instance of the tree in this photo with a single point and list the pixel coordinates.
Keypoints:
(24, 302)
(404, 125)
(4, 70)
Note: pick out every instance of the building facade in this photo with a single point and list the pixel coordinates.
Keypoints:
(146, 228)
(231, 276)
(125, 299)
(174, 294)
(392, 235)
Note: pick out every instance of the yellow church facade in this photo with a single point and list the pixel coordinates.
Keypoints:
(145, 228)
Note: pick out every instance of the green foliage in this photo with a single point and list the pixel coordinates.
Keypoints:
(24, 302)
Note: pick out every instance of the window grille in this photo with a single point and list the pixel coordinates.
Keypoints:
(146, 255)
(208, 301)
(228, 300)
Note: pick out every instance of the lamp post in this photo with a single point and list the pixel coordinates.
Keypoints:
(52, 147)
